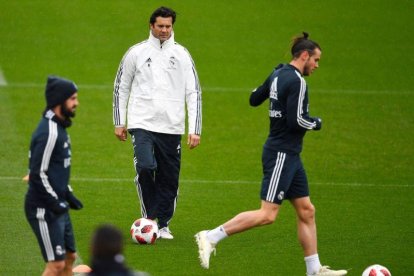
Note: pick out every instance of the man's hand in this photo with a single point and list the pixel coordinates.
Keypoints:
(193, 140)
(318, 122)
(121, 133)
(74, 203)
(59, 207)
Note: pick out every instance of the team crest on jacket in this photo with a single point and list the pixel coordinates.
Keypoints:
(172, 63)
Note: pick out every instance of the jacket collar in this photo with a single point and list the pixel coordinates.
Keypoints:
(293, 67)
(50, 115)
(157, 44)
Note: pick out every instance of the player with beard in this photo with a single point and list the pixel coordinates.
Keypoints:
(284, 176)
(49, 195)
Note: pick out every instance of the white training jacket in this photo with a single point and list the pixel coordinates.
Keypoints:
(153, 86)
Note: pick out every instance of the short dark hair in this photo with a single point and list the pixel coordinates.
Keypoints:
(302, 43)
(163, 12)
(107, 242)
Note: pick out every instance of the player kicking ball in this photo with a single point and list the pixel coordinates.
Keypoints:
(284, 176)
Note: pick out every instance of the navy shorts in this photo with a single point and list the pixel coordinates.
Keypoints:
(54, 233)
(284, 176)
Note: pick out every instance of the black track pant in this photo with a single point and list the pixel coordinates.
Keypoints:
(157, 158)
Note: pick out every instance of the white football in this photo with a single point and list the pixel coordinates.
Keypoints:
(376, 270)
(144, 231)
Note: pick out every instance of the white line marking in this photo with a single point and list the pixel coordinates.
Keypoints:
(227, 89)
(3, 81)
(218, 181)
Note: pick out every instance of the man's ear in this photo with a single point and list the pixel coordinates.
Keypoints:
(304, 55)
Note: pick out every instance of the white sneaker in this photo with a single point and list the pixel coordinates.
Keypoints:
(326, 271)
(205, 248)
(165, 233)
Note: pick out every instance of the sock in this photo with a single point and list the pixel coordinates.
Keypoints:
(216, 234)
(312, 264)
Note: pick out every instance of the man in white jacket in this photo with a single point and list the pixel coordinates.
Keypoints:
(155, 83)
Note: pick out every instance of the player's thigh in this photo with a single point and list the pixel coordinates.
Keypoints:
(277, 175)
(167, 152)
(299, 187)
(49, 231)
(269, 210)
(143, 145)
(69, 235)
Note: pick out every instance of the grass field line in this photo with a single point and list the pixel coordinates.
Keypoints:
(220, 181)
(214, 88)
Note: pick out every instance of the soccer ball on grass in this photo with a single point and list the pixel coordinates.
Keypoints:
(144, 231)
(376, 270)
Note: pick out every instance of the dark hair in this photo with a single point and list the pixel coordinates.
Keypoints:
(163, 12)
(106, 242)
(302, 43)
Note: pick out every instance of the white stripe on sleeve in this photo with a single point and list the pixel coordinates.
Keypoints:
(302, 121)
(50, 145)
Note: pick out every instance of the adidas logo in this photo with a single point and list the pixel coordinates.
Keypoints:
(148, 62)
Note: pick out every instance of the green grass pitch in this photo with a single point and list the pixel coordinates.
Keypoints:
(360, 166)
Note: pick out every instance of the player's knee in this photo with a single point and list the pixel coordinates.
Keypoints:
(268, 218)
(70, 258)
(55, 267)
(145, 171)
(268, 213)
(307, 213)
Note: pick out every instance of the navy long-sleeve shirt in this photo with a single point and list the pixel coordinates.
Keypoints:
(49, 162)
(287, 92)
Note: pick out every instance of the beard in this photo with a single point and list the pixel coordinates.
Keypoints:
(306, 70)
(67, 122)
(66, 112)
